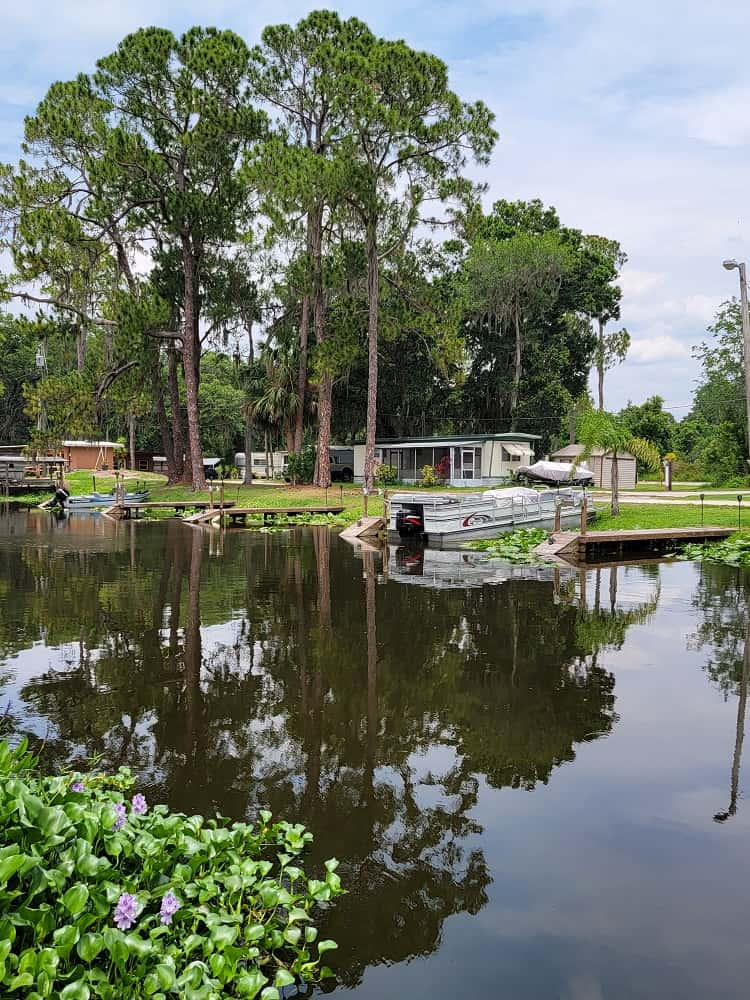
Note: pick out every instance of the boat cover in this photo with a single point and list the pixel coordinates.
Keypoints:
(557, 472)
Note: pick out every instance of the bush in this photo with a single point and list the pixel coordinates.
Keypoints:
(428, 476)
(386, 475)
(100, 897)
(302, 465)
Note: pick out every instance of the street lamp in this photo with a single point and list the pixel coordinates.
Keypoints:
(731, 265)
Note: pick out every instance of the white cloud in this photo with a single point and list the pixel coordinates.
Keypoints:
(659, 347)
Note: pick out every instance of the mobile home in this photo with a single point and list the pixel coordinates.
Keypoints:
(467, 460)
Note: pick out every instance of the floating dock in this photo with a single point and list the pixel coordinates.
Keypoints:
(594, 546)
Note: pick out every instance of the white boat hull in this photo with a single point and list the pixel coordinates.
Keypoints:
(457, 517)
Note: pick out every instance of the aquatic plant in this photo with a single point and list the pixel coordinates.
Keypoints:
(515, 547)
(104, 898)
(732, 551)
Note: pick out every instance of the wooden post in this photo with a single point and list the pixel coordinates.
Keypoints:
(584, 514)
(221, 495)
(558, 516)
(365, 495)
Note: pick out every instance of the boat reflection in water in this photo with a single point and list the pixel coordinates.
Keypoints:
(415, 563)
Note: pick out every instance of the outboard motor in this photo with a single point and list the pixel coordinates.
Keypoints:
(410, 522)
(61, 495)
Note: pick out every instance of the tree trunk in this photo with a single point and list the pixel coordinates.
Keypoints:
(325, 385)
(304, 336)
(515, 391)
(131, 440)
(372, 352)
(190, 362)
(572, 424)
(178, 437)
(165, 430)
(325, 411)
(600, 363)
(615, 485)
(247, 479)
(265, 444)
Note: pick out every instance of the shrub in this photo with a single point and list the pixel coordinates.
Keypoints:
(443, 468)
(386, 475)
(302, 465)
(103, 897)
(428, 476)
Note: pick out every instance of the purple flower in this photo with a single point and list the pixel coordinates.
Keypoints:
(140, 805)
(121, 816)
(170, 904)
(125, 911)
(77, 786)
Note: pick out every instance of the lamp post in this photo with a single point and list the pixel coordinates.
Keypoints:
(731, 265)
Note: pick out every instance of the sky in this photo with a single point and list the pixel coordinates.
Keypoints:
(631, 118)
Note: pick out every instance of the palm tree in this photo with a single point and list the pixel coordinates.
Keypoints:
(599, 429)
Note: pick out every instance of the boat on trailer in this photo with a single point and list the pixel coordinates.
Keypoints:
(446, 517)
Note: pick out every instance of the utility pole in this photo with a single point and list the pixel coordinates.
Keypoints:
(730, 265)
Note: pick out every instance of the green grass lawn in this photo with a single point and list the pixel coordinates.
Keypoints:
(260, 494)
(665, 516)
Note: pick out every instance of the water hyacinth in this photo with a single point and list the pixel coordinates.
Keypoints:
(77, 786)
(121, 816)
(140, 806)
(126, 911)
(127, 940)
(170, 904)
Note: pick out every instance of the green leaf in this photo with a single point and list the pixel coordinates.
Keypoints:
(326, 945)
(283, 978)
(10, 865)
(166, 976)
(76, 898)
(75, 991)
(255, 932)
(64, 938)
(223, 935)
(89, 946)
(269, 993)
(250, 983)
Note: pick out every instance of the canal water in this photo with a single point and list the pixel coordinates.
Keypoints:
(533, 779)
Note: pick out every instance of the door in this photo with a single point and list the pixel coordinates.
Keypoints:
(468, 470)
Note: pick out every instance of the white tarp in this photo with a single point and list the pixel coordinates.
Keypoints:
(557, 472)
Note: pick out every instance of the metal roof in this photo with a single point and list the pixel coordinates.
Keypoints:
(458, 439)
(93, 444)
(25, 460)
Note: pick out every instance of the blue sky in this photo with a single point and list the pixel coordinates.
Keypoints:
(632, 118)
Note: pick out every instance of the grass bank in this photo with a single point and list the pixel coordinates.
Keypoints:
(668, 515)
(260, 494)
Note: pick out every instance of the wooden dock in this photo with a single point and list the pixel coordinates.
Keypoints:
(236, 514)
(594, 546)
(133, 508)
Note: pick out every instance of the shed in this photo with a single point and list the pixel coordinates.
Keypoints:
(601, 465)
(93, 455)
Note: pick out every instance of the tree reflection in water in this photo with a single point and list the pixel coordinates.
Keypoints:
(278, 670)
(722, 601)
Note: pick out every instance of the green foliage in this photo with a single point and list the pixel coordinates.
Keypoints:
(732, 551)
(218, 909)
(386, 475)
(516, 547)
(720, 457)
(428, 476)
(302, 464)
(651, 421)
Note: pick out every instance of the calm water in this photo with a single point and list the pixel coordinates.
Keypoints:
(534, 785)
